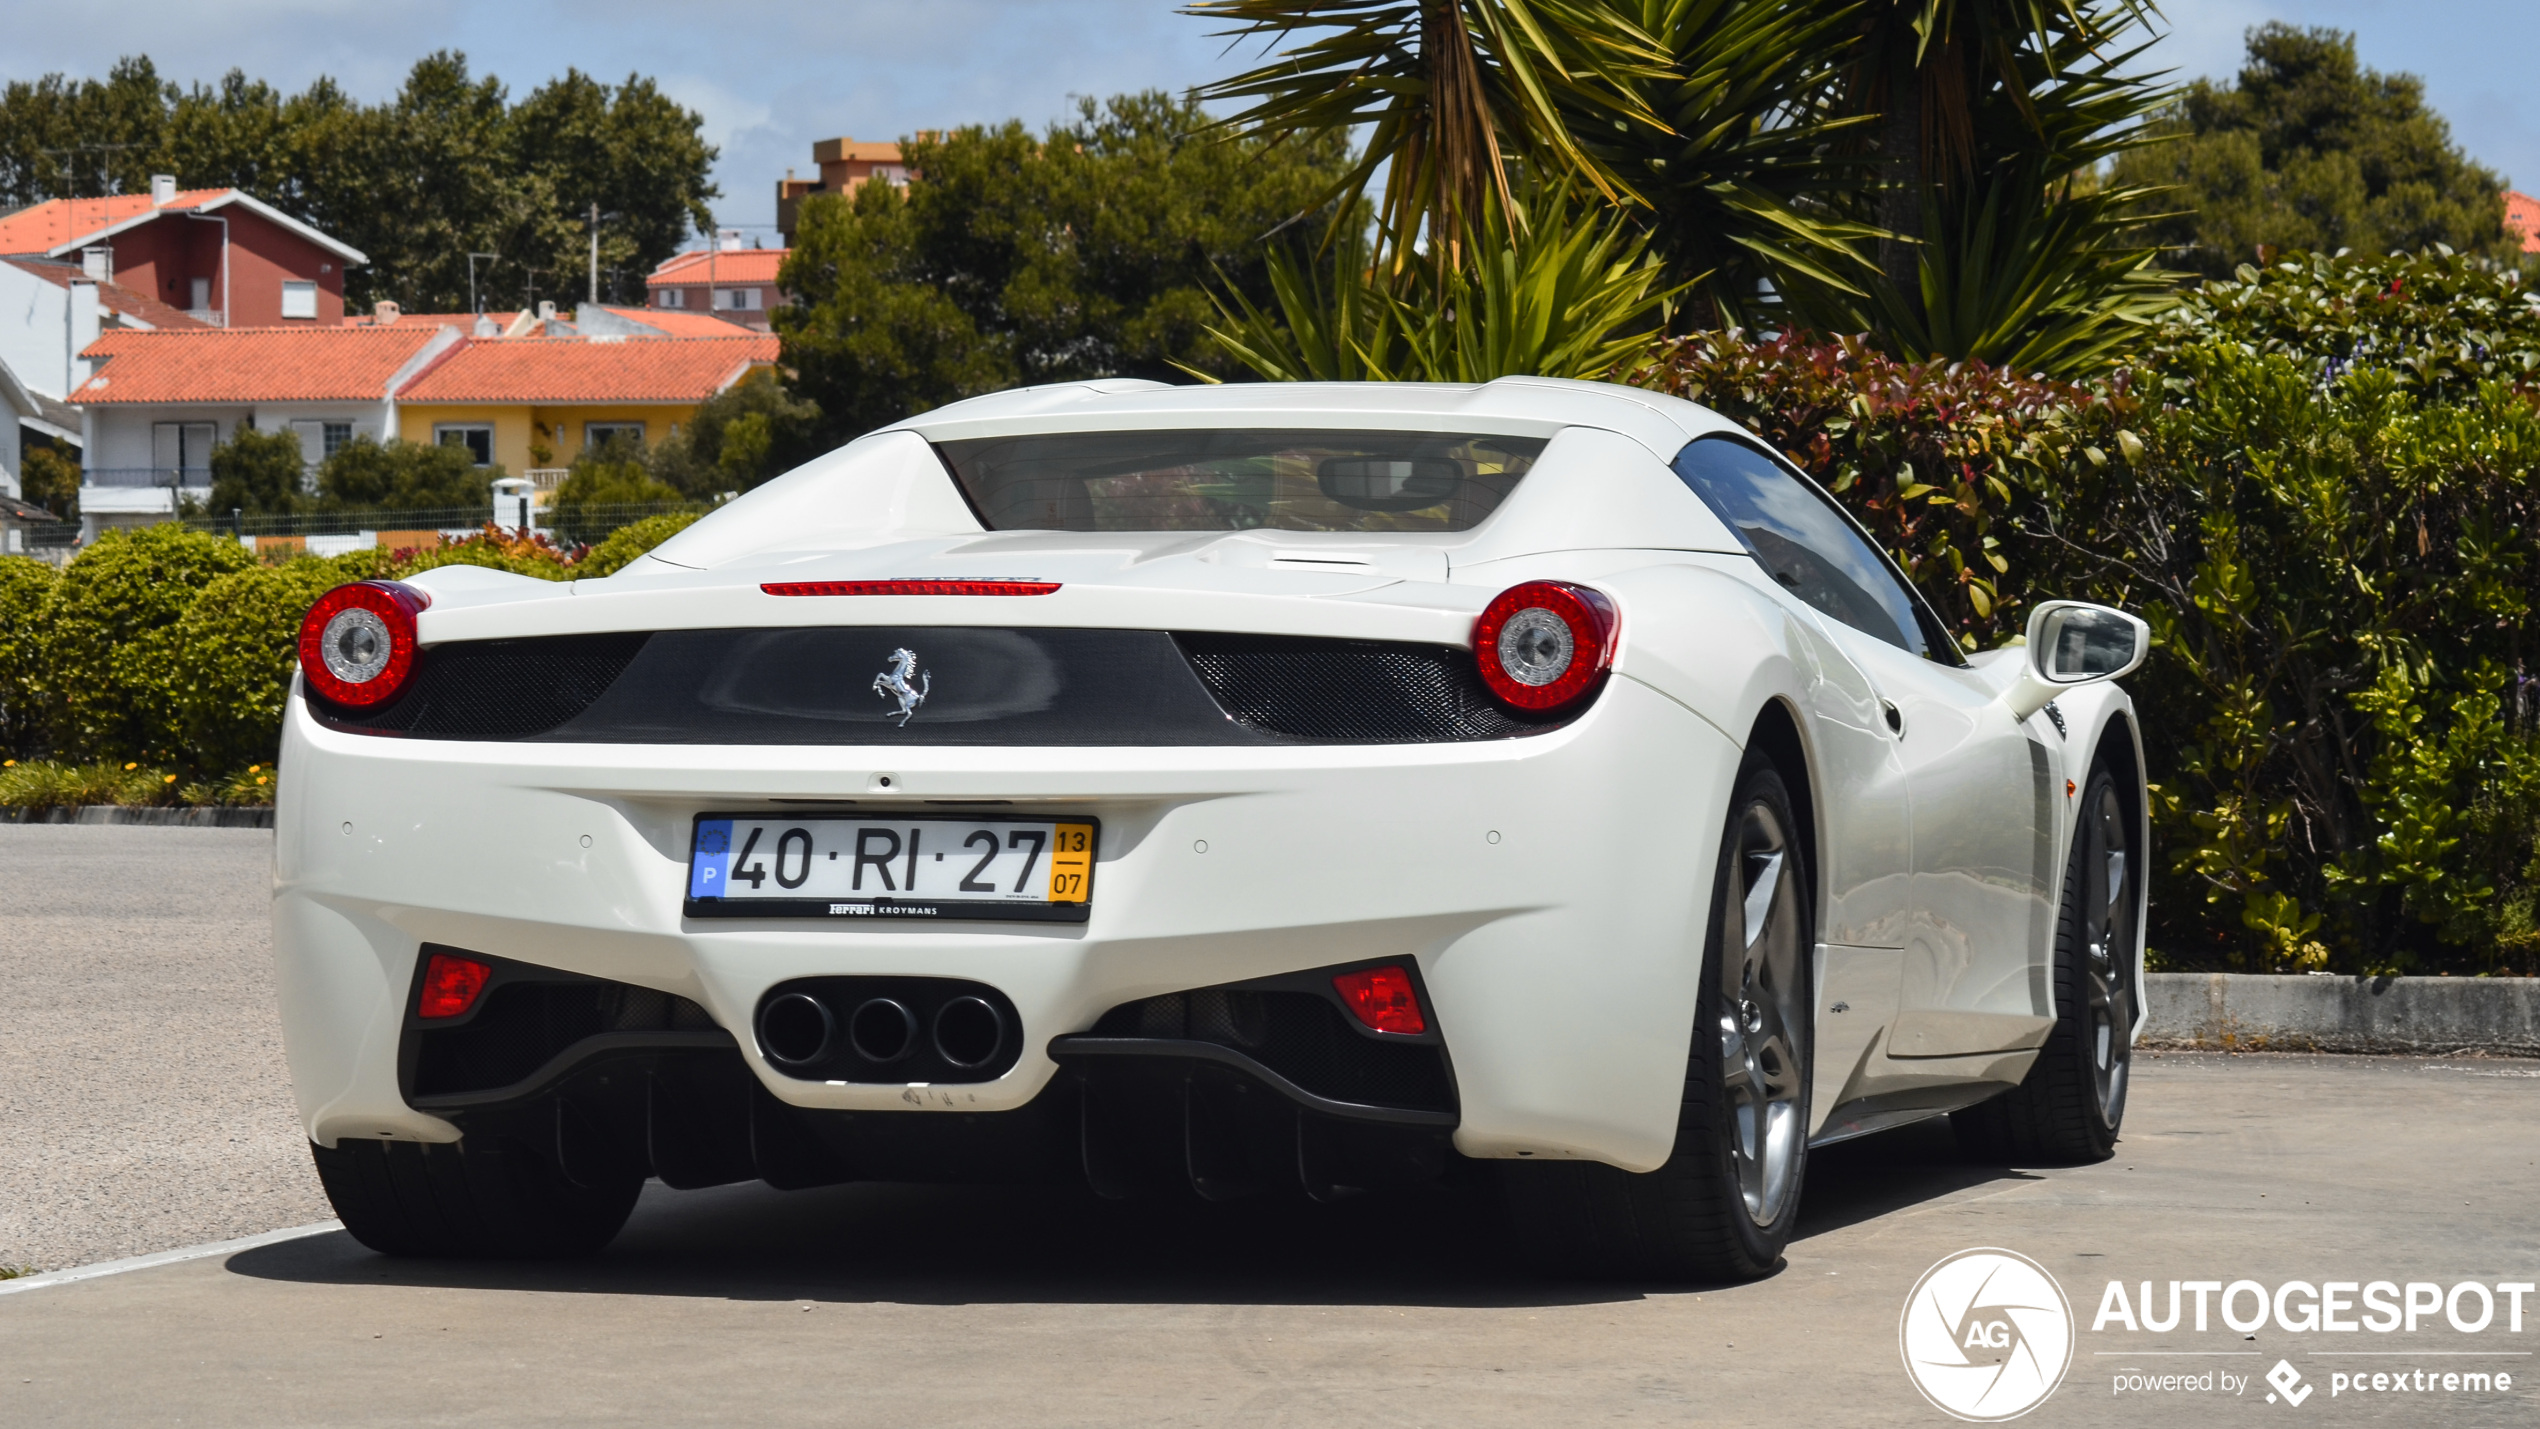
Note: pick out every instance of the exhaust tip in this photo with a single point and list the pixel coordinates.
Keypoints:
(882, 1030)
(968, 1032)
(796, 1029)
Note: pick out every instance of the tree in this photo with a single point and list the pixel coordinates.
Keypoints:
(403, 476)
(1571, 291)
(259, 473)
(611, 474)
(50, 479)
(1452, 93)
(1994, 119)
(2309, 150)
(1089, 251)
(740, 436)
(447, 167)
(1924, 169)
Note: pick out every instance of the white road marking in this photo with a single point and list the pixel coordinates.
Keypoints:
(165, 1257)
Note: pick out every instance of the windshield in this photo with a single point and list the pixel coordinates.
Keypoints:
(1277, 479)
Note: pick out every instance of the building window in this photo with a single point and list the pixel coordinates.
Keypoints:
(478, 439)
(674, 298)
(600, 434)
(299, 300)
(183, 447)
(338, 436)
(737, 300)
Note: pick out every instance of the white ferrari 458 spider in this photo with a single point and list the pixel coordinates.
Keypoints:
(1208, 790)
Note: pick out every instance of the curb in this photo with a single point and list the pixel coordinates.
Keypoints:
(204, 818)
(166, 1257)
(2247, 1012)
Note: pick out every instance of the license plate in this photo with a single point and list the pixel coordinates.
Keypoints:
(909, 866)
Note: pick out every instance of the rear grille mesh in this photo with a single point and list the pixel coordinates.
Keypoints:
(1359, 691)
(500, 689)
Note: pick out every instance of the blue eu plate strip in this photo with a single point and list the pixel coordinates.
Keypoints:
(711, 863)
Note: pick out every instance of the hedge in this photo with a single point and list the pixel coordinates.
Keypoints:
(156, 665)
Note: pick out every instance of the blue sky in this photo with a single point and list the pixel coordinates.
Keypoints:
(772, 76)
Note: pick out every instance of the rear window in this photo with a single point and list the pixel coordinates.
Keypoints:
(1276, 479)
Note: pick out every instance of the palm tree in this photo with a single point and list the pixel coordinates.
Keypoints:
(1454, 94)
(1568, 290)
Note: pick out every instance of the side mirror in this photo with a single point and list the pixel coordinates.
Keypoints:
(2073, 643)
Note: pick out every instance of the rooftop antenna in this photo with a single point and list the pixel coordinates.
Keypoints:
(474, 306)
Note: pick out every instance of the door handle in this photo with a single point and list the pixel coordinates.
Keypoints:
(1895, 718)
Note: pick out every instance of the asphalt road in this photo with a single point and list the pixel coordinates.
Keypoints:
(874, 1305)
(143, 1099)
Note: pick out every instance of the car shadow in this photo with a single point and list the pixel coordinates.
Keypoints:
(1855, 1181)
(954, 1245)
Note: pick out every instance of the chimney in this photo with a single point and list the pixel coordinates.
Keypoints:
(97, 264)
(732, 243)
(384, 313)
(546, 310)
(162, 190)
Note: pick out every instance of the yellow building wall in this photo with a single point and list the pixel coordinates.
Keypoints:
(517, 425)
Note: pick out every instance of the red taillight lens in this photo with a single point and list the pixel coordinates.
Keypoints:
(357, 644)
(450, 985)
(909, 587)
(1546, 645)
(1383, 998)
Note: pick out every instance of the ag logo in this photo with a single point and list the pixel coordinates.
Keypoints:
(1987, 1335)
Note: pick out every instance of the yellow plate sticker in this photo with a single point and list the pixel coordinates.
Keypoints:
(1071, 863)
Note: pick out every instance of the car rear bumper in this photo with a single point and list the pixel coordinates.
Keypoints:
(1549, 889)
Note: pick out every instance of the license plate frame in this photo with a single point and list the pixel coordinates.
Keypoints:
(857, 905)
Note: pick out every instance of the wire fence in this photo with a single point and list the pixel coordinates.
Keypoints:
(378, 526)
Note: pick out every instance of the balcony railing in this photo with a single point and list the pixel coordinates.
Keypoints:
(167, 476)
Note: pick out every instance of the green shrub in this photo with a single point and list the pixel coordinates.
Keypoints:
(110, 625)
(627, 542)
(235, 647)
(25, 719)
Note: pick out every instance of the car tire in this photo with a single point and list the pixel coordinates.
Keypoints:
(469, 1198)
(1723, 1206)
(2070, 1106)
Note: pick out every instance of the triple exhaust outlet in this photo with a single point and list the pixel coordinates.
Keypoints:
(799, 1029)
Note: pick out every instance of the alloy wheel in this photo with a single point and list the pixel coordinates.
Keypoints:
(1763, 1016)
(2107, 916)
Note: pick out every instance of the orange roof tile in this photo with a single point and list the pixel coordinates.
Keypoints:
(2522, 211)
(253, 364)
(634, 369)
(46, 226)
(679, 322)
(113, 297)
(739, 265)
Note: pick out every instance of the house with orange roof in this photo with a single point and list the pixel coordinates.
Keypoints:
(2522, 215)
(731, 283)
(223, 256)
(156, 403)
(529, 404)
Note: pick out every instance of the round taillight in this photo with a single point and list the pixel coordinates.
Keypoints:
(357, 644)
(1545, 645)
